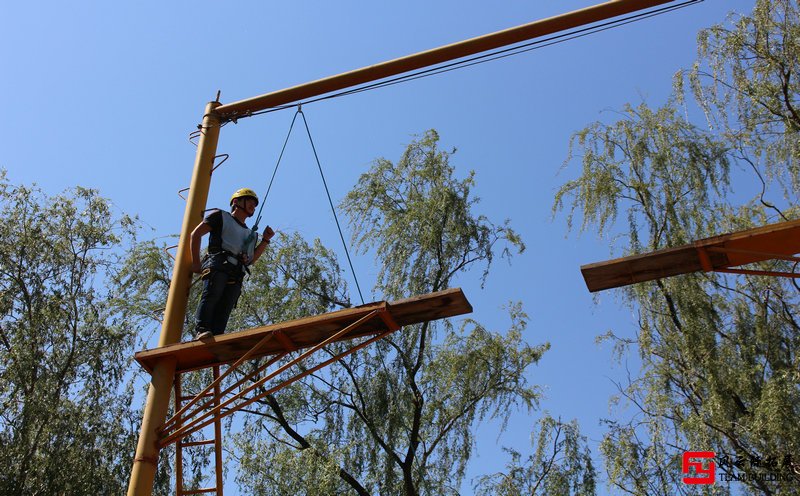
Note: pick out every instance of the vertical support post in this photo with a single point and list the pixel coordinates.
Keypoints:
(178, 449)
(155, 413)
(218, 434)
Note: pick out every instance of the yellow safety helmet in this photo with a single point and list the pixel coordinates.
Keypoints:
(244, 192)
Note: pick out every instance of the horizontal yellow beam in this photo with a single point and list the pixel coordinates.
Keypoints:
(435, 56)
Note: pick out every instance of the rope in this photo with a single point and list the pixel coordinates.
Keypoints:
(325, 183)
(330, 201)
(269, 187)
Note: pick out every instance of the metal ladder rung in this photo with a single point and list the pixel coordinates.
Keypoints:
(200, 491)
(205, 442)
(207, 395)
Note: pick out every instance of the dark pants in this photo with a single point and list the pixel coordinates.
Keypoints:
(221, 291)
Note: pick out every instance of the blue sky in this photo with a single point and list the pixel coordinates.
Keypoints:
(104, 95)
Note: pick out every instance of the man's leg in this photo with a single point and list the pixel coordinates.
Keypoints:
(227, 303)
(214, 287)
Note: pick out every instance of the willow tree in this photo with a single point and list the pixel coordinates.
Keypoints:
(65, 423)
(560, 464)
(399, 416)
(719, 354)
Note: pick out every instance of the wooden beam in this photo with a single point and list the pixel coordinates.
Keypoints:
(769, 242)
(307, 331)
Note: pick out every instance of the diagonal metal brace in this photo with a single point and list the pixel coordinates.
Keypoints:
(218, 413)
(170, 423)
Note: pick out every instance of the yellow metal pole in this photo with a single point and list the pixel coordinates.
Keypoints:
(155, 413)
(438, 55)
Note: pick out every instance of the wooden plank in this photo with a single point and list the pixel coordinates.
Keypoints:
(782, 238)
(638, 268)
(307, 331)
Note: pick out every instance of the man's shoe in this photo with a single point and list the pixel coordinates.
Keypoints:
(205, 334)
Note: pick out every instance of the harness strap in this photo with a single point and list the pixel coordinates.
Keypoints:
(231, 257)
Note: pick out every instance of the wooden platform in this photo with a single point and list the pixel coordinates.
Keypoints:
(717, 253)
(308, 331)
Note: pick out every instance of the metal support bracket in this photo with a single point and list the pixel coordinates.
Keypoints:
(705, 261)
(285, 341)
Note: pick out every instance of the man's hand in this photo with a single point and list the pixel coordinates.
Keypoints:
(268, 233)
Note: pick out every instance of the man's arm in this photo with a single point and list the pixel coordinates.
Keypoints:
(260, 247)
(194, 245)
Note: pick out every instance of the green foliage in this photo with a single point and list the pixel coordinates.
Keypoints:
(560, 465)
(397, 417)
(141, 284)
(65, 424)
(666, 172)
(418, 218)
(747, 84)
(640, 467)
(719, 354)
(303, 473)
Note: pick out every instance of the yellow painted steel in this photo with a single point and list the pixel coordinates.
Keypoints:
(439, 55)
(146, 460)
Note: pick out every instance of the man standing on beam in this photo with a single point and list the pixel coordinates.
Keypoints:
(231, 249)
